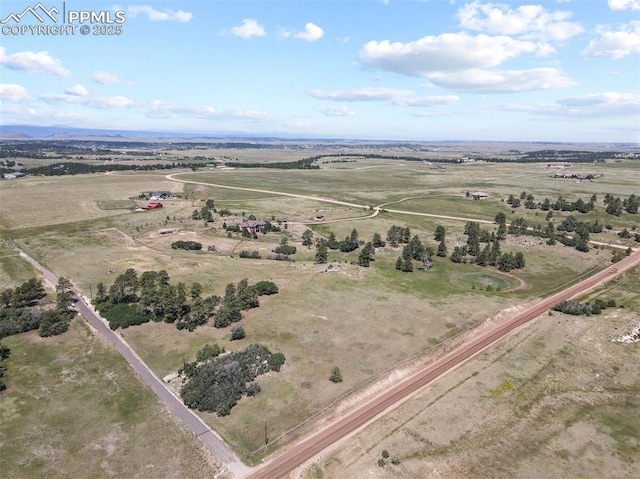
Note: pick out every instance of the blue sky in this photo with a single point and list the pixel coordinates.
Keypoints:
(557, 70)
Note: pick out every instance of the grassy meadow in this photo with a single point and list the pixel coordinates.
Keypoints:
(364, 320)
(73, 408)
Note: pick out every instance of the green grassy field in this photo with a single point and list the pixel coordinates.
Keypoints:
(364, 320)
(73, 408)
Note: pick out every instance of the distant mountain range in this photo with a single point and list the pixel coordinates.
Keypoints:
(61, 131)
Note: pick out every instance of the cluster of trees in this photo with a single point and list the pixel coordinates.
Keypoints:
(216, 383)
(23, 295)
(133, 300)
(350, 243)
(560, 204)
(398, 235)
(188, 245)
(614, 205)
(205, 213)
(414, 250)
(576, 308)
(490, 254)
(20, 313)
(4, 354)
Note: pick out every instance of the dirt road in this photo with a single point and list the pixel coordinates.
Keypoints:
(296, 455)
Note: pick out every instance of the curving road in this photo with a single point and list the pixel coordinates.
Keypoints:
(203, 432)
(284, 463)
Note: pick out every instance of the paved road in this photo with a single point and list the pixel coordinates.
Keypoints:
(210, 439)
(282, 464)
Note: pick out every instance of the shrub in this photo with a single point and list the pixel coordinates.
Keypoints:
(336, 375)
(265, 288)
(249, 254)
(187, 245)
(237, 332)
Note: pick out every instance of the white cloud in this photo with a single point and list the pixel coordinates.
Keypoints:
(443, 53)
(427, 100)
(106, 78)
(312, 32)
(160, 109)
(77, 90)
(33, 62)
(361, 94)
(337, 110)
(164, 15)
(394, 96)
(595, 105)
(101, 102)
(13, 93)
(529, 21)
(486, 81)
(615, 44)
(624, 4)
(249, 28)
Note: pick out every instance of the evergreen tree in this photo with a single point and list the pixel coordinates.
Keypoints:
(442, 249)
(321, 254)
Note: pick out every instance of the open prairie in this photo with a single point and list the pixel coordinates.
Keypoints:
(367, 321)
(557, 399)
(73, 408)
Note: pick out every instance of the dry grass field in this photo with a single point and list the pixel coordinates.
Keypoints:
(364, 320)
(73, 408)
(557, 399)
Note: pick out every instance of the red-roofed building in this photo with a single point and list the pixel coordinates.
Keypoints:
(153, 205)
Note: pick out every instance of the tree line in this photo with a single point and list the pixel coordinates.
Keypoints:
(135, 299)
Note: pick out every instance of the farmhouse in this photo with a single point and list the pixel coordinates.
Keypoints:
(14, 175)
(153, 205)
(158, 195)
(253, 226)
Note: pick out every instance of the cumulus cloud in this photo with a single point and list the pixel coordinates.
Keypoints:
(395, 96)
(337, 110)
(77, 90)
(311, 33)
(528, 21)
(615, 44)
(249, 28)
(13, 93)
(486, 81)
(164, 15)
(33, 62)
(624, 4)
(443, 53)
(106, 78)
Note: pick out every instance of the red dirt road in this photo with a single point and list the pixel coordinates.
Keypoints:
(296, 455)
